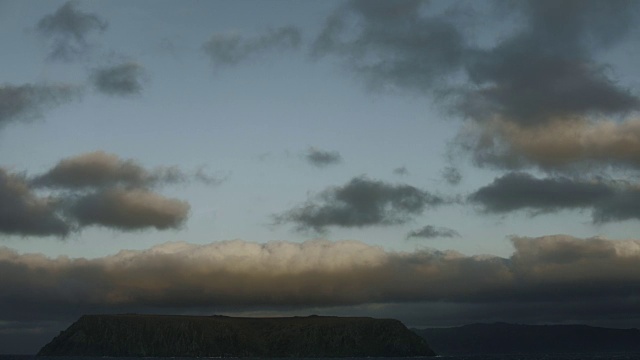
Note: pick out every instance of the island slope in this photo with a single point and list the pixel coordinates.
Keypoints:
(217, 336)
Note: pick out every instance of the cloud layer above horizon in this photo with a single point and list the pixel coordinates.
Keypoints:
(228, 275)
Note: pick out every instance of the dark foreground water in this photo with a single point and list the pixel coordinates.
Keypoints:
(621, 356)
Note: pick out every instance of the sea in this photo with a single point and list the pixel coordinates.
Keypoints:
(577, 356)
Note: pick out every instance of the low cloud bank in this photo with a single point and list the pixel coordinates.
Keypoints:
(557, 269)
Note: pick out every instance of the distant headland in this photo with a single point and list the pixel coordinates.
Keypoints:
(133, 335)
(503, 338)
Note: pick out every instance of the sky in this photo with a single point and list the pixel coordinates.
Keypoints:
(438, 162)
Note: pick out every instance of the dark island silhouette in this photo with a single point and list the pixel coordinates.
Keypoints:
(133, 335)
(503, 338)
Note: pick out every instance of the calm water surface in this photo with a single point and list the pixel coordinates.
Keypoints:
(465, 357)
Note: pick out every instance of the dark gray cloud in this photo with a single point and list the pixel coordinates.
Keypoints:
(321, 158)
(231, 49)
(324, 274)
(402, 170)
(539, 87)
(393, 43)
(608, 200)
(451, 175)
(24, 213)
(128, 210)
(430, 231)
(574, 26)
(547, 69)
(623, 205)
(27, 102)
(531, 87)
(361, 202)
(205, 178)
(67, 30)
(516, 191)
(122, 79)
(542, 68)
(99, 170)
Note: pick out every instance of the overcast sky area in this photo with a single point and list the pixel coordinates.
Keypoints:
(438, 162)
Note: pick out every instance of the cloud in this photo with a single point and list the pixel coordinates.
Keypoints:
(402, 170)
(27, 214)
(537, 68)
(520, 190)
(24, 213)
(105, 190)
(128, 210)
(535, 88)
(550, 88)
(608, 200)
(93, 189)
(575, 27)
(231, 49)
(361, 202)
(67, 29)
(99, 169)
(122, 79)
(392, 43)
(623, 205)
(27, 102)
(557, 146)
(320, 158)
(430, 231)
(451, 175)
(203, 177)
(319, 273)
(547, 69)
